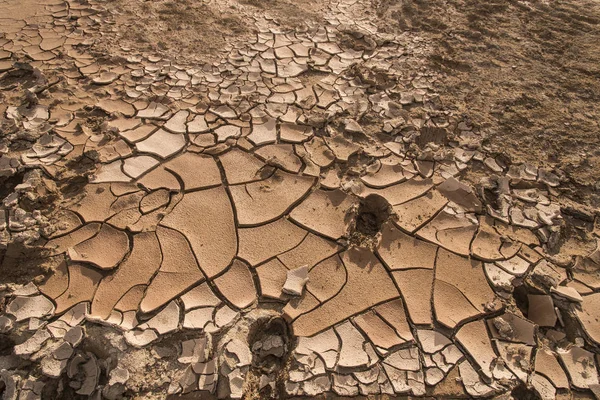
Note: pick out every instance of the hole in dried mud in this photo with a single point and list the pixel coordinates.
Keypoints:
(269, 341)
(72, 186)
(23, 74)
(491, 197)
(373, 211)
(522, 392)
(6, 345)
(9, 184)
(21, 263)
(520, 295)
(357, 41)
(373, 78)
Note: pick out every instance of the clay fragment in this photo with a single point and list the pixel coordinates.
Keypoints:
(296, 280)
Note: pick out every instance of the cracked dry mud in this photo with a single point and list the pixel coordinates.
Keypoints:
(282, 215)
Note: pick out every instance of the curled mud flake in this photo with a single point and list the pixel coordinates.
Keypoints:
(295, 281)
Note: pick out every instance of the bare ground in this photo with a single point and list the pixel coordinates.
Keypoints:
(196, 30)
(525, 73)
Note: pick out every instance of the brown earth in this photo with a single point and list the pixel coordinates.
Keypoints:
(192, 30)
(525, 73)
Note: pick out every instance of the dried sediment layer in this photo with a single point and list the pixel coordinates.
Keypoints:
(217, 192)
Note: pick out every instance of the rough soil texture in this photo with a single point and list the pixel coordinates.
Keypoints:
(526, 73)
(273, 199)
(189, 30)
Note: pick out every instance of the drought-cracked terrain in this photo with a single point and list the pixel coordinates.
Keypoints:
(274, 199)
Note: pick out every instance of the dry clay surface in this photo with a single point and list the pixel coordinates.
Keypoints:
(275, 199)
